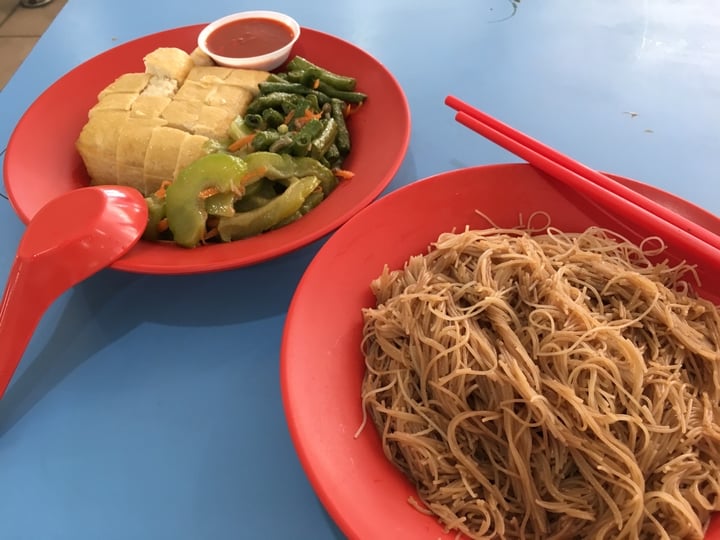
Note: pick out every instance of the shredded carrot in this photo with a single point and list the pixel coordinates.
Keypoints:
(162, 225)
(211, 233)
(289, 116)
(209, 192)
(241, 142)
(162, 190)
(307, 116)
(351, 109)
(343, 174)
(316, 83)
(212, 229)
(255, 174)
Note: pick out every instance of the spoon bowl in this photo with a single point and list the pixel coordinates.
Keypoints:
(69, 239)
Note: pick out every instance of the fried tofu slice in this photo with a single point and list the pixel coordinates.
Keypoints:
(247, 78)
(146, 127)
(119, 101)
(182, 114)
(161, 157)
(192, 148)
(128, 83)
(213, 122)
(234, 98)
(168, 63)
(194, 91)
(199, 58)
(208, 74)
(149, 106)
(132, 147)
(97, 145)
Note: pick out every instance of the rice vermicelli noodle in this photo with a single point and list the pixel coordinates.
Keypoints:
(548, 386)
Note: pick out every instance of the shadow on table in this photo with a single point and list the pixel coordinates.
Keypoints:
(110, 304)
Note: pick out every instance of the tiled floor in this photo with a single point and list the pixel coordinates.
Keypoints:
(20, 28)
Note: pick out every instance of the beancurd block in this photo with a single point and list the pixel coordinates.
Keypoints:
(149, 106)
(247, 78)
(133, 141)
(208, 74)
(100, 133)
(199, 119)
(146, 127)
(132, 147)
(132, 83)
(182, 114)
(97, 145)
(194, 91)
(192, 148)
(235, 98)
(199, 58)
(161, 86)
(114, 102)
(169, 63)
(161, 157)
(163, 150)
(213, 122)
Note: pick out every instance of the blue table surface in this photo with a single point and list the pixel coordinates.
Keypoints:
(148, 407)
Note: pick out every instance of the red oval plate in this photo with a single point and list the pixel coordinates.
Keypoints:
(62, 110)
(321, 364)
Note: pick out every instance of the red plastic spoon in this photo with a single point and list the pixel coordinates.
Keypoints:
(70, 238)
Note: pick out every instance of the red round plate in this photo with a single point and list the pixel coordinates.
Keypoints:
(321, 363)
(62, 110)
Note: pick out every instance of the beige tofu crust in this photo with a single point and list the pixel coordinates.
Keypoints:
(146, 127)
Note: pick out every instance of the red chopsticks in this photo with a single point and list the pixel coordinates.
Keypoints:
(623, 201)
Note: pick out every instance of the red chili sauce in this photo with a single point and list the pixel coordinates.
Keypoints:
(245, 38)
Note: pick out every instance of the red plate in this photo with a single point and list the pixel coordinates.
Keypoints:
(321, 364)
(62, 111)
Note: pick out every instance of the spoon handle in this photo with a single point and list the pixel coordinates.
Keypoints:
(22, 307)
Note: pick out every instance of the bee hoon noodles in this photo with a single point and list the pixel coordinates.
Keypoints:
(550, 386)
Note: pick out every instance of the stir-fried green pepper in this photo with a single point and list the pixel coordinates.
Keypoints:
(156, 213)
(185, 201)
(221, 204)
(216, 184)
(283, 166)
(285, 205)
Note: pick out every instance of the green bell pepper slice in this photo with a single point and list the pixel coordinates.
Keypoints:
(156, 213)
(185, 201)
(282, 207)
(215, 184)
(284, 166)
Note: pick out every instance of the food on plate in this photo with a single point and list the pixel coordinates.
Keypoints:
(185, 131)
(241, 195)
(301, 111)
(147, 126)
(555, 385)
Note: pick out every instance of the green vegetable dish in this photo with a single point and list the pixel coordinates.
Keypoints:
(281, 159)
